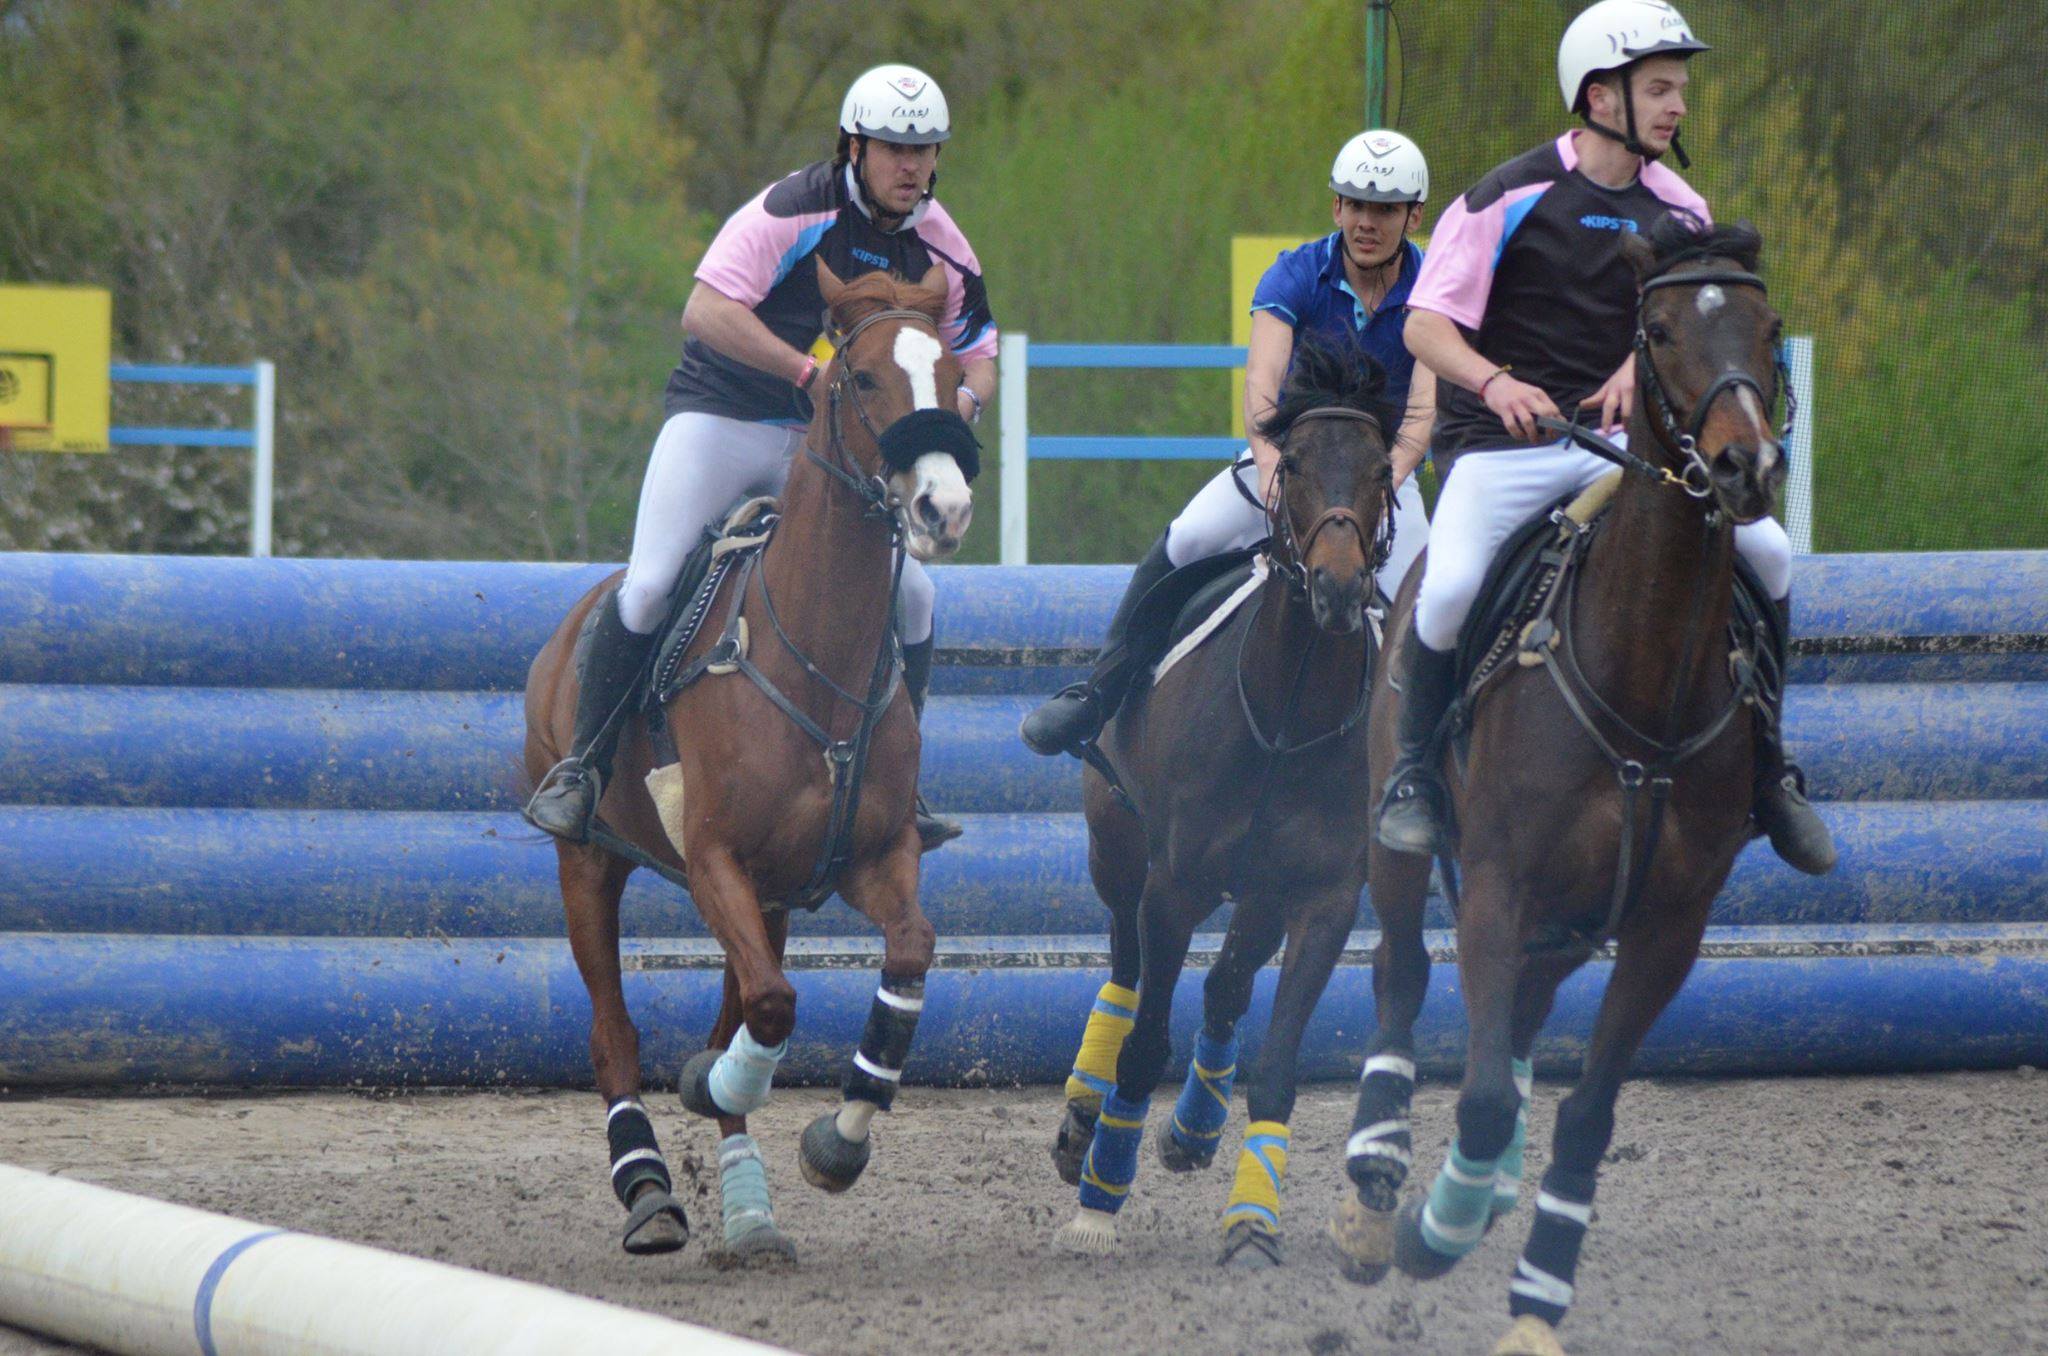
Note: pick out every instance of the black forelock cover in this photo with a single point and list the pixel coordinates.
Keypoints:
(932, 430)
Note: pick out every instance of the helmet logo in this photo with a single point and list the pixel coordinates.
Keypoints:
(909, 84)
(903, 111)
(1380, 145)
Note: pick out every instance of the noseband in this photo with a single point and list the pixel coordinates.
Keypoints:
(1684, 441)
(1291, 559)
(873, 490)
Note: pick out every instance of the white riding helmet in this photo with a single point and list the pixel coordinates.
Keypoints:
(896, 103)
(1614, 33)
(1380, 166)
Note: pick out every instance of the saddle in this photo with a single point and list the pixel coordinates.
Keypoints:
(746, 528)
(1512, 618)
(1204, 595)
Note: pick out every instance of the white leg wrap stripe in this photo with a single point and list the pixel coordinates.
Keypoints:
(1535, 1284)
(1581, 1215)
(1467, 1179)
(899, 1002)
(869, 1067)
(739, 1153)
(1397, 1065)
(1367, 1140)
(636, 1156)
(1453, 1233)
(1525, 1083)
(627, 1104)
(1379, 1149)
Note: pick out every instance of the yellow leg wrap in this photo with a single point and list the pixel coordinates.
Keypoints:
(1261, 1168)
(1109, 1022)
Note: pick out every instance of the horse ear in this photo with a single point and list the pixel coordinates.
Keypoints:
(1641, 257)
(934, 283)
(829, 286)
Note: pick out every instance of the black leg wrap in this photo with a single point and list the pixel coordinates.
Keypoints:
(1381, 1148)
(636, 1158)
(1543, 1278)
(885, 1045)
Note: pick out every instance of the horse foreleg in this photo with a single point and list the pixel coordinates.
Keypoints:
(1102, 1041)
(728, 1084)
(1533, 996)
(1196, 1128)
(592, 882)
(1381, 1148)
(836, 1145)
(1251, 1219)
(1430, 1236)
(1166, 924)
(746, 1213)
(1651, 964)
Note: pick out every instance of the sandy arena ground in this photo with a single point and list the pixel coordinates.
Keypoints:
(1897, 1215)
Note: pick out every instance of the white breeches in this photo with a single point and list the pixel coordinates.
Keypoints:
(1219, 519)
(701, 466)
(1490, 494)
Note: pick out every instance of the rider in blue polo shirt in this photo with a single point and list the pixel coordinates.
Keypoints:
(1348, 289)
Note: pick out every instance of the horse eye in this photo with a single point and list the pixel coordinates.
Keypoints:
(864, 381)
(1657, 333)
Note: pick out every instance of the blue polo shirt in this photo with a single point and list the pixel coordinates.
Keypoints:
(1306, 287)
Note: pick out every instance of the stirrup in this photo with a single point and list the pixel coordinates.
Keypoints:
(1410, 818)
(1041, 742)
(933, 831)
(570, 785)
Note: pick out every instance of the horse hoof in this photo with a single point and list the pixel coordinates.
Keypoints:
(1247, 1245)
(1070, 1145)
(1530, 1336)
(1365, 1241)
(763, 1247)
(1379, 1180)
(1179, 1156)
(1091, 1232)
(655, 1224)
(829, 1160)
(694, 1086)
(1412, 1252)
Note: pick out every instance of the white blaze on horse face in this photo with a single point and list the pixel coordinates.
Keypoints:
(938, 508)
(1767, 441)
(1711, 299)
(917, 353)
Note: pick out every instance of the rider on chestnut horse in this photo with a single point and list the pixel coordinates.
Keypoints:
(736, 403)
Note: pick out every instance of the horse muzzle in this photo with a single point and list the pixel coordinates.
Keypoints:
(1746, 477)
(1336, 599)
(935, 506)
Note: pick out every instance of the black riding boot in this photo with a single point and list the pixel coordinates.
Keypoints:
(932, 831)
(608, 658)
(1412, 806)
(1779, 803)
(1078, 713)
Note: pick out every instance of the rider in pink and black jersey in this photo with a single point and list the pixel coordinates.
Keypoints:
(735, 402)
(1526, 307)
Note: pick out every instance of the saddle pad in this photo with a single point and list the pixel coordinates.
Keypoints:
(1209, 609)
(747, 526)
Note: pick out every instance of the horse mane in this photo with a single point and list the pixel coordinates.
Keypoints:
(1322, 375)
(872, 292)
(1680, 237)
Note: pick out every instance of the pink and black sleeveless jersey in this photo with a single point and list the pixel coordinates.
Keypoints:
(1528, 263)
(762, 259)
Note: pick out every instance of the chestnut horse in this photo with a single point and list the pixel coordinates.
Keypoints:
(1243, 773)
(1604, 794)
(795, 766)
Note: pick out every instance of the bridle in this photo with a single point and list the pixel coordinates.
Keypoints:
(1289, 552)
(871, 488)
(1684, 441)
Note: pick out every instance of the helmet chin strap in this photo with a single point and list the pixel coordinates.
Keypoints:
(1630, 141)
(874, 210)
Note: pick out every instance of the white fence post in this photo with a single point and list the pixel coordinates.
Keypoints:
(263, 475)
(1799, 484)
(1014, 357)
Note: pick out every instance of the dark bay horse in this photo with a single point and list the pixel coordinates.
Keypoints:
(1246, 772)
(769, 746)
(1604, 795)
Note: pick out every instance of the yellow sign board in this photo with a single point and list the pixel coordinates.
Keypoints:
(1250, 257)
(56, 344)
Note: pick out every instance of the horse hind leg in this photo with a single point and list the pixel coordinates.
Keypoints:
(1195, 1130)
(592, 882)
(1380, 1150)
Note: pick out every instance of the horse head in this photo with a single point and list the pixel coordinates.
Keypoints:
(1709, 363)
(893, 371)
(1332, 506)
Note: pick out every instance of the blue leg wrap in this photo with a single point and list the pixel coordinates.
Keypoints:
(1204, 1106)
(1460, 1203)
(742, 1187)
(1507, 1174)
(740, 1079)
(1113, 1155)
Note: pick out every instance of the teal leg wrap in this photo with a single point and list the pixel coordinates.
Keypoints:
(1507, 1175)
(741, 1078)
(1204, 1106)
(1460, 1203)
(1113, 1155)
(743, 1187)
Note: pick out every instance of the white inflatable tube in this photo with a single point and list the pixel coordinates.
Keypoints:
(144, 1278)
